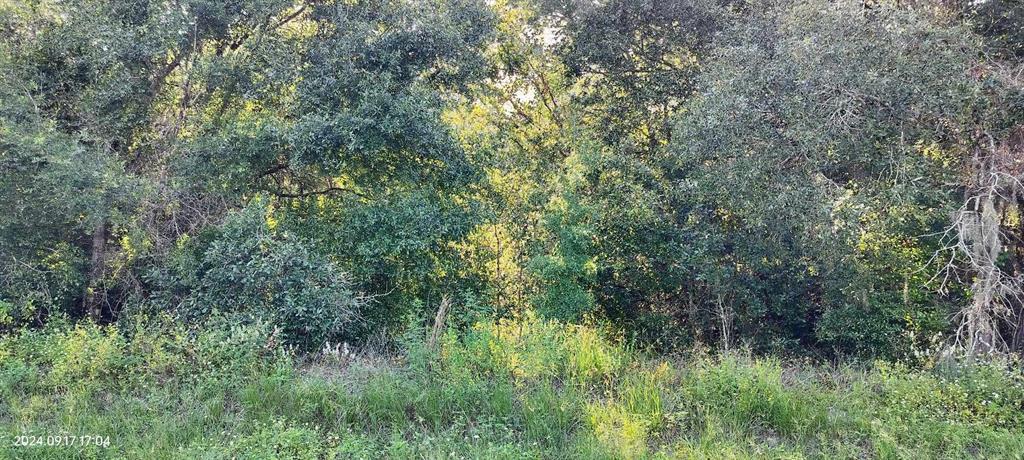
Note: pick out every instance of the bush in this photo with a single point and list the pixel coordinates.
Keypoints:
(251, 270)
(47, 284)
(85, 355)
(530, 348)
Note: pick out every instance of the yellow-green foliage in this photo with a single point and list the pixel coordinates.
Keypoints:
(590, 355)
(619, 431)
(6, 317)
(529, 348)
(85, 354)
(640, 393)
(156, 349)
(624, 423)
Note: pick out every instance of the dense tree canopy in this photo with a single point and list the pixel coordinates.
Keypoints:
(834, 177)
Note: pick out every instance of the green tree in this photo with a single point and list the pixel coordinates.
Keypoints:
(813, 121)
(147, 123)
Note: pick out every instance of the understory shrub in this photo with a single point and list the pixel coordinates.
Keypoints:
(252, 270)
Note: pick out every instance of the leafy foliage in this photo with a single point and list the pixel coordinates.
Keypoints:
(252, 270)
(827, 131)
(695, 171)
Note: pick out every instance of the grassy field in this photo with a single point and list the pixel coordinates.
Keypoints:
(523, 389)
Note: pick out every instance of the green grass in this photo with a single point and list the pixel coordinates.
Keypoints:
(515, 389)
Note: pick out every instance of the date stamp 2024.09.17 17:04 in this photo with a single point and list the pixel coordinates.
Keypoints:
(61, 440)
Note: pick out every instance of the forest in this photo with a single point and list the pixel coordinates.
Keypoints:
(504, 229)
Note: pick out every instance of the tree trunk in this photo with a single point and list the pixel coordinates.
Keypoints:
(725, 315)
(91, 296)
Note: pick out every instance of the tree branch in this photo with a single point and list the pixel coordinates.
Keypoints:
(326, 191)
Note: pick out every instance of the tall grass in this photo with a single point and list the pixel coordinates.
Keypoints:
(512, 389)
